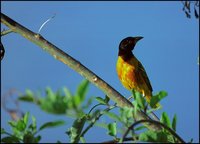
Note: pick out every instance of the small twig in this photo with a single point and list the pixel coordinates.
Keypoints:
(153, 122)
(5, 32)
(15, 113)
(93, 108)
(45, 23)
(95, 119)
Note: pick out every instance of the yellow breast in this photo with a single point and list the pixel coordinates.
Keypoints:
(126, 71)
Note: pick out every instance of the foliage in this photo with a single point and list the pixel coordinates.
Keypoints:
(25, 132)
(85, 117)
(60, 102)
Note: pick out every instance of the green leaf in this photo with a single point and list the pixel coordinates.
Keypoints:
(126, 114)
(112, 129)
(12, 123)
(33, 126)
(100, 100)
(133, 94)
(165, 119)
(10, 139)
(102, 125)
(153, 136)
(139, 99)
(174, 121)
(135, 108)
(34, 123)
(76, 129)
(51, 124)
(129, 112)
(67, 93)
(140, 128)
(50, 95)
(158, 97)
(26, 98)
(54, 103)
(112, 116)
(82, 140)
(37, 139)
(107, 99)
(81, 92)
(20, 126)
(26, 117)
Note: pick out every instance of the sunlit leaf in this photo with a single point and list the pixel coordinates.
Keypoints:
(80, 93)
(76, 129)
(112, 129)
(50, 95)
(12, 123)
(165, 119)
(112, 115)
(153, 136)
(140, 128)
(26, 117)
(139, 99)
(52, 124)
(158, 97)
(174, 121)
(28, 97)
(100, 100)
(21, 126)
(67, 93)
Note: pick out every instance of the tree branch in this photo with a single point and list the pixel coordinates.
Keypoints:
(156, 123)
(75, 65)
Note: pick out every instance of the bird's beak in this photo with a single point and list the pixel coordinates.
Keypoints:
(138, 38)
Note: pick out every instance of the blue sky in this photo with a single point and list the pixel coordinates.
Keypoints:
(91, 33)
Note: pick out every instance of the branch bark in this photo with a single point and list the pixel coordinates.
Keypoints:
(75, 65)
(157, 123)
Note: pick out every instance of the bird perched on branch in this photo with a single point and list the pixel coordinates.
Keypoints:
(131, 72)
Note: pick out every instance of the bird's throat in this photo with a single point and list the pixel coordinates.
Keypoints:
(126, 55)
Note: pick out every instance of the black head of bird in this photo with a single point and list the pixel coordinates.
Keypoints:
(128, 44)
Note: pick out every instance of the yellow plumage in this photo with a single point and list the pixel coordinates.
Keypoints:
(133, 76)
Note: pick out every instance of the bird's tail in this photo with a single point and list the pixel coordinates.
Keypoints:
(156, 106)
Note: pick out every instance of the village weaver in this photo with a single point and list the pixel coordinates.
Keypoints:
(131, 72)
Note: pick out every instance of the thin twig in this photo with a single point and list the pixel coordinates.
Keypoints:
(95, 119)
(46, 23)
(94, 107)
(5, 32)
(153, 122)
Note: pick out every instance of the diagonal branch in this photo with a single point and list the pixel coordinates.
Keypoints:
(75, 65)
(153, 122)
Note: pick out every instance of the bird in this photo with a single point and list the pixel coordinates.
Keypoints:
(130, 70)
